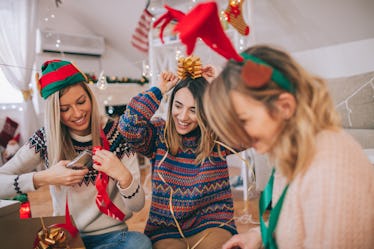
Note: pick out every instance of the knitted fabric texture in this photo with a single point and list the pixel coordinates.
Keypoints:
(58, 74)
(117, 145)
(331, 205)
(202, 196)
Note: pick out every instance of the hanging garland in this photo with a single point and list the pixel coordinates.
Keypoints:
(92, 78)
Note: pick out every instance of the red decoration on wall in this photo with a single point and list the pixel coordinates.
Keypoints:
(8, 131)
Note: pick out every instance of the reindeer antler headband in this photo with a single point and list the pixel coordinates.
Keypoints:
(256, 73)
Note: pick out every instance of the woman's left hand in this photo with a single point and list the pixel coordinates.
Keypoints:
(111, 165)
(209, 72)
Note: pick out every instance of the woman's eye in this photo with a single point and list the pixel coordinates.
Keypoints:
(64, 109)
(81, 102)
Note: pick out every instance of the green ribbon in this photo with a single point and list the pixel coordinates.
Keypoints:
(267, 232)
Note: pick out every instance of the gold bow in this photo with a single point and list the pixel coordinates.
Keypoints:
(189, 66)
(27, 94)
(51, 238)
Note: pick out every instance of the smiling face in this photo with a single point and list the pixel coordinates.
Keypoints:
(75, 110)
(184, 111)
(257, 122)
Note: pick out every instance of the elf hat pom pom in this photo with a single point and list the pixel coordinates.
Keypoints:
(58, 74)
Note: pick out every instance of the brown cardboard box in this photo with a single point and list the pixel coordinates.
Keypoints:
(16, 233)
(9, 209)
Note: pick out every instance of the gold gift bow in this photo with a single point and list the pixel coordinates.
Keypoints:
(172, 192)
(189, 66)
(48, 237)
(27, 94)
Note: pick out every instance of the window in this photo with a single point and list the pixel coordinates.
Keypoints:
(8, 94)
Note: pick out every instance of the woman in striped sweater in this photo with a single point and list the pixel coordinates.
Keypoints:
(192, 206)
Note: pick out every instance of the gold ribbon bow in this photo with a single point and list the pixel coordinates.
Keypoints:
(189, 66)
(50, 237)
(27, 94)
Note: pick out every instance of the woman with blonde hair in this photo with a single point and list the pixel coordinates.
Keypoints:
(100, 195)
(192, 205)
(321, 178)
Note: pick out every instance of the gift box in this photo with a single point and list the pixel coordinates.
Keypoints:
(21, 233)
(9, 209)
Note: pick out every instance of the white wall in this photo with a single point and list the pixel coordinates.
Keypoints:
(111, 62)
(339, 60)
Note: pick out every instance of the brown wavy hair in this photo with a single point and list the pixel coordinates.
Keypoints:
(295, 145)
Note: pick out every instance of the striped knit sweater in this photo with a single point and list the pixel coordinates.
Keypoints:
(202, 196)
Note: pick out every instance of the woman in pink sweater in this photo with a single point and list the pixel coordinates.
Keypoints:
(323, 181)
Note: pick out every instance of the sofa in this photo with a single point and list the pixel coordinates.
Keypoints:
(354, 100)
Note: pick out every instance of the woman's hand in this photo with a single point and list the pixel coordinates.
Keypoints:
(58, 174)
(111, 165)
(167, 81)
(209, 73)
(248, 240)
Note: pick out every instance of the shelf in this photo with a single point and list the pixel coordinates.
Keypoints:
(116, 93)
(169, 40)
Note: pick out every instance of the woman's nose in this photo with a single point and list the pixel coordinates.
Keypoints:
(183, 115)
(76, 111)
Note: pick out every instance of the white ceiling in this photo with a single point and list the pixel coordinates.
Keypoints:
(294, 24)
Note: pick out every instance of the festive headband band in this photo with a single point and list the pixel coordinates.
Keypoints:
(58, 74)
(190, 66)
(256, 73)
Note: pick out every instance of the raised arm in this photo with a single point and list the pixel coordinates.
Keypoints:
(136, 124)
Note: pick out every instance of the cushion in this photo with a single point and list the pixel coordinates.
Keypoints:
(354, 100)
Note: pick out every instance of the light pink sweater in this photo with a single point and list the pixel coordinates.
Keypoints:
(332, 205)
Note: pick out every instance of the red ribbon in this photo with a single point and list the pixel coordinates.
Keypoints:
(103, 201)
(68, 223)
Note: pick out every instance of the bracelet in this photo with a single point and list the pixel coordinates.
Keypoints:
(131, 196)
(16, 187)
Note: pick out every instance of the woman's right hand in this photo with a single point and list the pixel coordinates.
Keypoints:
(58, 174)
(247, 240)
(167, 81)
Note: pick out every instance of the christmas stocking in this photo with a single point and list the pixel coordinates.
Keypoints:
(139, 38)
(9, 129)
(234, 16)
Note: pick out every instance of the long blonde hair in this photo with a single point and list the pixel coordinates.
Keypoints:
(207, 137)
(295, 145)
(59, 144)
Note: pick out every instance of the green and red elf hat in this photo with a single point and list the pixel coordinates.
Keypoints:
(58, 74)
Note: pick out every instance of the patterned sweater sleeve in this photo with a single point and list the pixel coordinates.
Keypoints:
(136, 125)
(16, 175)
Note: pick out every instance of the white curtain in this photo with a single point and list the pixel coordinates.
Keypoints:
(17, 54)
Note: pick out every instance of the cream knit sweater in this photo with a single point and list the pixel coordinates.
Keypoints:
(331, 206)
